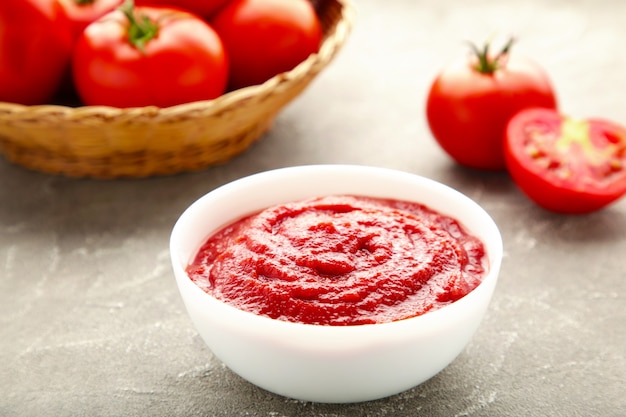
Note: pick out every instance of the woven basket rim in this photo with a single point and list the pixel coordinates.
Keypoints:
(207, 108)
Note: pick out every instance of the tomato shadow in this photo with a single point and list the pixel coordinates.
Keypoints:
(512, 209)
(605, 225)
(486, 182)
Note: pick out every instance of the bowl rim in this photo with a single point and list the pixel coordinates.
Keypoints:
(430, 320)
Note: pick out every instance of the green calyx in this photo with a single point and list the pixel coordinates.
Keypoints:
(141, 29)
(487, 64)
(84, 2)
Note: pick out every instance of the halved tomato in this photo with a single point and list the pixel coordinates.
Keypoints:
(566, 165)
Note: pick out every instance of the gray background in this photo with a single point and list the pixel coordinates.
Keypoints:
(91, 322)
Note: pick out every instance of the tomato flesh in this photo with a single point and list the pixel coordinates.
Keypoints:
(566, 165)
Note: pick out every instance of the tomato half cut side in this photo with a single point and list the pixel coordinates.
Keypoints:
(566, 165)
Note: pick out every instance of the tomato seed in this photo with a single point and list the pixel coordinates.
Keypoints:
(554, 164)
(534, 152)
(612, 137)
(616, 165)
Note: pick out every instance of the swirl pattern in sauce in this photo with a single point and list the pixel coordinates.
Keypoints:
(341, 260)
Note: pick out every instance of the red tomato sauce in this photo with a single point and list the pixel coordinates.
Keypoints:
(341, 260)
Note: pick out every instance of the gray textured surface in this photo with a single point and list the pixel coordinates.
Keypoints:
(91, 322)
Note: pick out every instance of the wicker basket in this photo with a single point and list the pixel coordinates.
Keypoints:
(106, 142)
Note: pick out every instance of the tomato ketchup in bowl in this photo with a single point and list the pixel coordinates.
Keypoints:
(336, 283)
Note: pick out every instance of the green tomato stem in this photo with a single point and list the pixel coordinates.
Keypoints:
(487, 64)
(84, 2)
(141, 29)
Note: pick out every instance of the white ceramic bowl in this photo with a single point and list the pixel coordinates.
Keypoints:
(335, 364)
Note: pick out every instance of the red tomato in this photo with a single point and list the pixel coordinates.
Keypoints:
(566, 165)
(186, 62)
(470, 102)
(267, 37)
(35, 48)
(83, 12)
(203, 8)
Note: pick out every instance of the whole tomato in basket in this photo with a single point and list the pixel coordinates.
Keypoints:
(566, 165)
(471, 101)
(203, 8)
(35, 49)
(266, 37)
(82, 12)
(141, 56)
